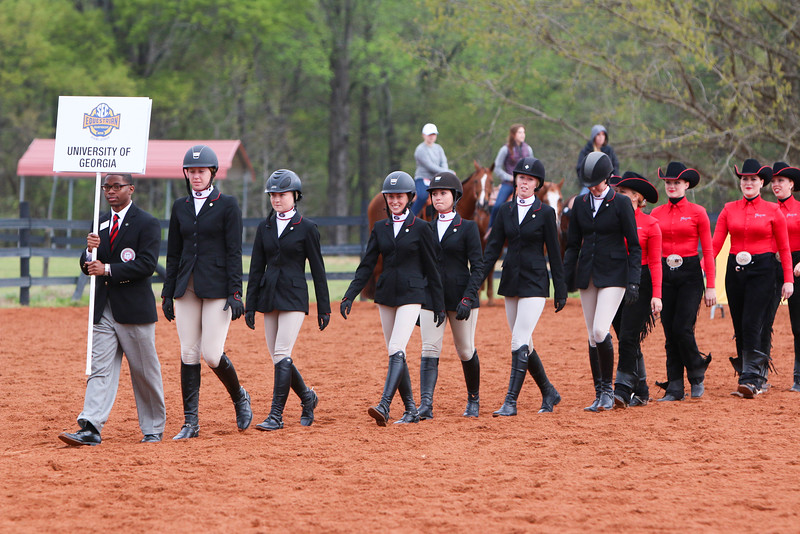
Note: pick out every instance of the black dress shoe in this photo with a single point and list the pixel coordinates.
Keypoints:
(151, 438)
(84, 436)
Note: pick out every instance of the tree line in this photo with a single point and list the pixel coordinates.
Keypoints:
(338, 89)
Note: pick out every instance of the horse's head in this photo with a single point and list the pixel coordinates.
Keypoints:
(550, 194)
(481, 185)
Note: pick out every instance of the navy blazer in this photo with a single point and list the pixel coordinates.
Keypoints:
(525, 267)
(596, 246)
(410, 270)
(207, 245)
(460, 258)
(277, 268)
(133, 261)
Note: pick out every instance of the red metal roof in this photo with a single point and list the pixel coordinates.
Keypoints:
(164, 158)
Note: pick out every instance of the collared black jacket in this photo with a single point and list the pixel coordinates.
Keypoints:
(277, 268)
(525, 266)
(596, 246)
(460, 260)
(410, 270)
(207, 245)
(128, 287)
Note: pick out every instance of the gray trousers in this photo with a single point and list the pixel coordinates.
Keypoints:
(110, 340)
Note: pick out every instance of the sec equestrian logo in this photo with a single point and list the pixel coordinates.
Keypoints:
(101, 121)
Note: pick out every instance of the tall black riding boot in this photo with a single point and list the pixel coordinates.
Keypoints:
(241, 399)
(550, 396)
(397, 364)
(472, 377)
(190, 389)
(308, 397)
(410, 415)
(594, 363)
(280, 391)
(605, 355)
(428, 373)
(519, 367)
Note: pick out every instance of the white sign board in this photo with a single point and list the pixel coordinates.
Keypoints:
(102, 134)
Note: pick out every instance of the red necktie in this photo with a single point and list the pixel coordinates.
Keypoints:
(112, 234)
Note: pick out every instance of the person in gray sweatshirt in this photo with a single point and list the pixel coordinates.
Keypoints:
(431, 160)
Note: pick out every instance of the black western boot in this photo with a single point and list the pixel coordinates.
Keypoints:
(380, 412)
(550, 396)
(751, 380)
(605, 354)
(519, 367)
(428, 373)
(410, 415)
(472, 377)
(241, 399)
(280, 391)
(641, 392)
(190, 389)
(594, 363)
(308, 397)
(697, 377)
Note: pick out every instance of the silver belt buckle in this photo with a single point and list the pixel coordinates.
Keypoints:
(674, 261)
(744, 258)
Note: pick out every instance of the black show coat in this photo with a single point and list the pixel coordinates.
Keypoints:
(277, 268)
(525, 267)
(460, 258)
(128, 287)
(207, 245)
(410, 270)
(596, 246)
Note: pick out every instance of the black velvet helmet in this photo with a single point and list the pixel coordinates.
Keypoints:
(447, 180)
(596, 168)
(284, 180)
(530, 166)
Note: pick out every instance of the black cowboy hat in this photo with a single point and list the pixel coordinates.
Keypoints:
(752, 167)
(783, 169)
(638, 183)
(678, 171)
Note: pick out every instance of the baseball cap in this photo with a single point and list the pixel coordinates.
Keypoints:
(429, 128)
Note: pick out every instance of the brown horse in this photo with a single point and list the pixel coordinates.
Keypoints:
(550, 194)
(474, 205)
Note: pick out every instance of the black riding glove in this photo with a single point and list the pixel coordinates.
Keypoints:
(168, 308)
(236, 305)
(323, 319)
(559, 304)
(463, 309)
(631, 294)
(250, 319)
(344, 307)
(439, 317)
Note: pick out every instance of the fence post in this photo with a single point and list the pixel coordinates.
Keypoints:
(25, 260)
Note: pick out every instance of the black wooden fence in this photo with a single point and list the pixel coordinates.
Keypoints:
(51, 238)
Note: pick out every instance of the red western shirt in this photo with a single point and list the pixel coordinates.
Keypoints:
(683, 225)
(755, 226)
(790, 208)
(650, 241)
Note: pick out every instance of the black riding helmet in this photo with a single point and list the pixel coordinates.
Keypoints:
(447, 180)
(596, 168)
(530, 166)
(398, 182)
(284, 180)
(200, 156)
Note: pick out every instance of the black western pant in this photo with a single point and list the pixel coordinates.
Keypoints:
(630, 324)
(682, 290)
(746, 287)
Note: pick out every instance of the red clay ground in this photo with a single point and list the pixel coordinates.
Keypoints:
(715, 464)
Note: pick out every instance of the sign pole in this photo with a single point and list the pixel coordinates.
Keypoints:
(93, 279)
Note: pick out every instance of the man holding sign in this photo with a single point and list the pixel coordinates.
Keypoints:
(125, 256)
